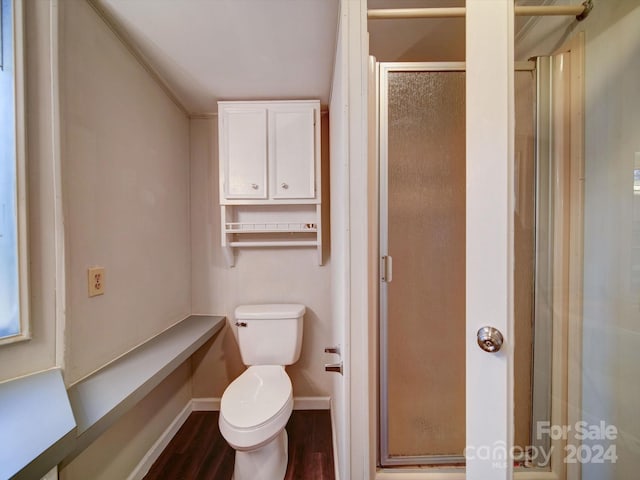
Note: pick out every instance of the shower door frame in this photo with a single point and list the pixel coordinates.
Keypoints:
(382, 74)
(566, 352)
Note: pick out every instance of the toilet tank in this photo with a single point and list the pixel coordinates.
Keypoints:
(270, 334)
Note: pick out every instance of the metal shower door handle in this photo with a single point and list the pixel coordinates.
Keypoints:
(490, 339)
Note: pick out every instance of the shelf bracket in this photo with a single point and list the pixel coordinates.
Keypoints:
(229, 256)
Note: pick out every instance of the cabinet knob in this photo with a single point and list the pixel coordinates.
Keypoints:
(254, 186)
(284, 185)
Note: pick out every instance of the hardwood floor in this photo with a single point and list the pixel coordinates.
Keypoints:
(198, 450)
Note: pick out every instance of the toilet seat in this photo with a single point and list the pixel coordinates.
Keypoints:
(256, 406)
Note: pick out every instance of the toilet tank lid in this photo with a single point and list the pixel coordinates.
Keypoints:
(269, 311)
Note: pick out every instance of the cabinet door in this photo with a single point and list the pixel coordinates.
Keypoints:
(292, 152)
(243, 137)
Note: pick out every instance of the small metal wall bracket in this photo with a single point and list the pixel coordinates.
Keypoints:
(588, 6)
(333, 367)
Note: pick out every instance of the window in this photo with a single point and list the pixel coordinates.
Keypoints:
(13, 262)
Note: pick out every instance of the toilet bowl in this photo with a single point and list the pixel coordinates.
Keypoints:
(254, 410)
(256, 406)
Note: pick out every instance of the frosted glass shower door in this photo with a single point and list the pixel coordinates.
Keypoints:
(423, 185)
(423, 228)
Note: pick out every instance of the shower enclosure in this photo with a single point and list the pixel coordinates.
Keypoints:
(422, 207)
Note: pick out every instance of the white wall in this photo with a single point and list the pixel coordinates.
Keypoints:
(338, 125)
(125, 171)
(353, 394)
(259, 276)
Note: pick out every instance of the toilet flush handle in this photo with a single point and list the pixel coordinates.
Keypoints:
(241, 324)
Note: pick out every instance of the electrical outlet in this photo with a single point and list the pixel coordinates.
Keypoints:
(96, 281)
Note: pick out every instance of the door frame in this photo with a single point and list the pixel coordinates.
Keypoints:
(566, 350)
(360, 387)
(383, 71)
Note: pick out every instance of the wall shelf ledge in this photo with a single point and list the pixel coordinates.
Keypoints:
(102, 397)
(42, 424)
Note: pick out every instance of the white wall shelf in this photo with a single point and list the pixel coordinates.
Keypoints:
(102, 397)
(270, 175)
(284, 243)
(257, 226)
(271, 227)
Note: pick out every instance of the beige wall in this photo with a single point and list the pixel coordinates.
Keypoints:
(116, 453)
(260, 276)
(125, 172)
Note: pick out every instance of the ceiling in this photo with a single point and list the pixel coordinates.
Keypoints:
(210, 50)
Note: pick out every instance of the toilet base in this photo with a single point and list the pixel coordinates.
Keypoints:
(268, 462)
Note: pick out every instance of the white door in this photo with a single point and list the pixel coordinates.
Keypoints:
(489, 251)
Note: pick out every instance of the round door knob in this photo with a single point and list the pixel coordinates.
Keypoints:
(490, 339)
(254, 186)
(284, 186)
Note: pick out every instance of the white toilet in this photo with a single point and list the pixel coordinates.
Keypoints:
(256, 406)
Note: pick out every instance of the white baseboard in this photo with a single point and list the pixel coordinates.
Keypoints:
(311, 403)
(158, 447)
(206, 404)
(212, 404)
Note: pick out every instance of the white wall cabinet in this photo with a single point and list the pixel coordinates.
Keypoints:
(270, 175)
